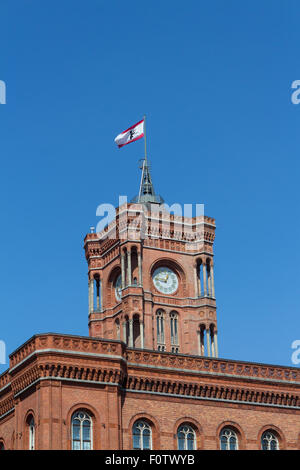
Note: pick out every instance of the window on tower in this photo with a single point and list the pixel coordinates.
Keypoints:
(160, 330)
(174, 332)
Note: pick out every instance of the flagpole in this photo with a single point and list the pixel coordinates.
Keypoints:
(145, 138)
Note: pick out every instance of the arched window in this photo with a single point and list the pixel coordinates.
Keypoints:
(174, 328)
(160, 330)
(228, 439)
(186, 437)
(31, 429)
(142, 435)
(269, 441)
(2, 446)
(82, 431)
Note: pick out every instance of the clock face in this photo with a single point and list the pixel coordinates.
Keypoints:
(165, 280)
(118, 288)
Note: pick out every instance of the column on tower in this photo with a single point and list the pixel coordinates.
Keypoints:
(123, 273)
(196, 279)
(204, 277)
(208, 341)
(125, 329)
(142, 333)
(91, 295)
(216, 343)
(197, 267)
(101, 294)
(140, 267)
(124, 339)
(208, 278)
(130, 341)
(212, 280)
(129, 274)
(199, 278)
(117, 329)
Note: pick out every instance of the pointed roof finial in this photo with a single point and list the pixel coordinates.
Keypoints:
(146, 191)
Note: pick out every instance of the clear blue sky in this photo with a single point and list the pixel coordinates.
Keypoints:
(214, 79)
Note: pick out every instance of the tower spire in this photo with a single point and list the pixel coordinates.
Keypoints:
(146, 191)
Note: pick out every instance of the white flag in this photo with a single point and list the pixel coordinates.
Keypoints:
(131, 134)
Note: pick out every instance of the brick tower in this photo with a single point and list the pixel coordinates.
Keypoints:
(151, 277)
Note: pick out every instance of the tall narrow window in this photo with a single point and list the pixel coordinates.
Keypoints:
(174, 328)
(142, 435)
(228, 439)
(1, 446)
(186, 438)
(31, 433)
(117, 327)
(97, 293)
(269, 441)
(126, 330)
(82, 431)
(160, 330)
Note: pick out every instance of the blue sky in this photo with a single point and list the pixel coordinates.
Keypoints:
(214, 79)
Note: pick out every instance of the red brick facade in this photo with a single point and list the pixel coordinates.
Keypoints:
(151, 357)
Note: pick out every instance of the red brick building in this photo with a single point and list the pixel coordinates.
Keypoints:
(148, 376)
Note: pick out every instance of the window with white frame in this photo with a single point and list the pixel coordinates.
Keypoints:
(142, 435)
(82, 431)
(228, 439)
(269, 441)
(186, 437)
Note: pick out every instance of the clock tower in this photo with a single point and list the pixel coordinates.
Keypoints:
(151, 277)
